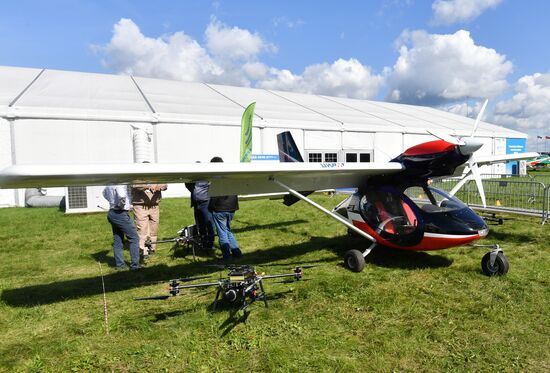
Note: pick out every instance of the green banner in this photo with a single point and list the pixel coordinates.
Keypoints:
(246, 133)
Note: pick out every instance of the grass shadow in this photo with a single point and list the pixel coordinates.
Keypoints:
(103, 257)
(235, 318)
(403, 259)
(167, 315)
(255, 227)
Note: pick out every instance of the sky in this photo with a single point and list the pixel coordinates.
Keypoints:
(448, 54)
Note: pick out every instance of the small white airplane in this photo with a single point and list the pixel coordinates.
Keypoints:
(382, 210)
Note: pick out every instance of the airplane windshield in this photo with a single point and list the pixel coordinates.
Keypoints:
(431, 199)
(443, 213)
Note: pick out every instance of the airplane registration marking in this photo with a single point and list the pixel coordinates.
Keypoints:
(332, 165)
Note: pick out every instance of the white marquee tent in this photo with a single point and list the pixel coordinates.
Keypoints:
(60, 117)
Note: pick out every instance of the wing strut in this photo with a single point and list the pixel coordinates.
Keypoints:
(319, 207)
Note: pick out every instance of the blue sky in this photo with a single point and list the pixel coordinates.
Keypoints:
(449, 54)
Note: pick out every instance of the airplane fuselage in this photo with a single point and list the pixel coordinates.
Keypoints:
(419, 218)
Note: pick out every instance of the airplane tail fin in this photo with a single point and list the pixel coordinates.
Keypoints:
(288, 151)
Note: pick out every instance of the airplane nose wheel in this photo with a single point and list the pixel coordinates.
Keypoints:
(494, 263)
(354, 260)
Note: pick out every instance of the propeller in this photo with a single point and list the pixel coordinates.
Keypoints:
(446, 137)
(479, 115)
(469, 147)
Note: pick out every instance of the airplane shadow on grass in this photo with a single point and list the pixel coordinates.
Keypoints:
(91, 286)
(254, 227)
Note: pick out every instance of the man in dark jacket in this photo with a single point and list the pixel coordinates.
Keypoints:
(223, 210)
(203, 216)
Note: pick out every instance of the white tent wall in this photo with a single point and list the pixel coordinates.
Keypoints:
(66, 141)
(7, 196)
(387, 146)
(358, 140)
(188, 143)
(322, 140)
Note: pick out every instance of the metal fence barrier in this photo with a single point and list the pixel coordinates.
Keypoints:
(505, 193)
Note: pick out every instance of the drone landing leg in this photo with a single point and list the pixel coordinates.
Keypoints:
(263, 293)
(216, 299)
(191, 245)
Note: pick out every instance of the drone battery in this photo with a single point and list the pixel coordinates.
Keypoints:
(236, 278)
(241, 273)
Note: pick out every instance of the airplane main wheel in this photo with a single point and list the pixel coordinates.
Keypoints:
(499, 268)
(354, 260)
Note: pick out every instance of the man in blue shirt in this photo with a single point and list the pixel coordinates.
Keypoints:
(122, 224)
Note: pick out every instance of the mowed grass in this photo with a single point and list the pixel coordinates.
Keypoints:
(405, 312)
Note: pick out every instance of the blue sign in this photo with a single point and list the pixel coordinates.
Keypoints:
(514, 146)
(265, 157)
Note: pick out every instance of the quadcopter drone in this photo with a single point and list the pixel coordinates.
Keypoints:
(242, 286)
(187, 238)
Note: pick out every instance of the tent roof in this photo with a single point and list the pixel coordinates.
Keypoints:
(41, 93)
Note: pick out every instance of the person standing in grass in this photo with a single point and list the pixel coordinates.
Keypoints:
(223, 210)
(203, 216)
(122, 224)
(146, 199)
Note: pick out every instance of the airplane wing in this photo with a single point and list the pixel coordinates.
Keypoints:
(225, 178)
(490, 159)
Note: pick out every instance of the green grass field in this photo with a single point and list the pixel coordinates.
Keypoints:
(405, 312)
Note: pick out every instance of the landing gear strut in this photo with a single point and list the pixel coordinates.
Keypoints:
(494, 263)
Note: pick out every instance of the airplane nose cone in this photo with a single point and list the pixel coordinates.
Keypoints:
(470, 145)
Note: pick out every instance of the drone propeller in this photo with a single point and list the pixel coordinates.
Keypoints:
(157, 297)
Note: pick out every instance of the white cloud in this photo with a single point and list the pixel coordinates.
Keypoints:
(448, 12)
(234, 43)
(529, 108)
(465, 108)
(287, 22)
(343, 78)
(230, 56)
(176, 56)
(433, 69)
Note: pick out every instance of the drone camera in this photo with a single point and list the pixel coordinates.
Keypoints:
(230, 295)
